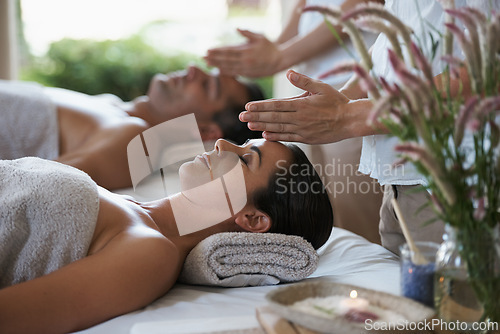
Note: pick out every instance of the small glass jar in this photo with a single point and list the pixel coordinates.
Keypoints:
(417, 274)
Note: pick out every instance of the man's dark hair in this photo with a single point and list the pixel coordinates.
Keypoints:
(232, 128)
(297, 201)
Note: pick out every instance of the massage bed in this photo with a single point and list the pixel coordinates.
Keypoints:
(346, 258)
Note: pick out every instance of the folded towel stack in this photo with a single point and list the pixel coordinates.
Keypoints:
(236, 259)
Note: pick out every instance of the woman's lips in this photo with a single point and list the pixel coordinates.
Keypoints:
(205, 159)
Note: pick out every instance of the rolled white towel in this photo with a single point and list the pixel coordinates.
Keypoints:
(236, 259)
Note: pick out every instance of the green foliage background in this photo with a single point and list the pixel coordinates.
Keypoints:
(122, 67)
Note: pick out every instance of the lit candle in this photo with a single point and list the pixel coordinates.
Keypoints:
(353, 302)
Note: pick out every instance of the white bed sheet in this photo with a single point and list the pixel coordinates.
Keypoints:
(345, 258)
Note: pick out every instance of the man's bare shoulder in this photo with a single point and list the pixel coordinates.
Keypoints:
(103, 155)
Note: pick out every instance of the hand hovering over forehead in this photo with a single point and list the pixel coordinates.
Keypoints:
(257, 57)
(320, 115)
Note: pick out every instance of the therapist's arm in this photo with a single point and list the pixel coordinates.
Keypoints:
(324, 115)
(291, 29)
(320, 115)
(259, 57)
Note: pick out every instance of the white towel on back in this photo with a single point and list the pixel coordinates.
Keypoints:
(28, 122)
(48, 213)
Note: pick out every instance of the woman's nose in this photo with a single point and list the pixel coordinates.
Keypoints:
(224, 145)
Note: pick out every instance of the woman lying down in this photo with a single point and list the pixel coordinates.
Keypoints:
(99, 254)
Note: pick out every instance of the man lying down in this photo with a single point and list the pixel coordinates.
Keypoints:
(73, 254)
(91, 133)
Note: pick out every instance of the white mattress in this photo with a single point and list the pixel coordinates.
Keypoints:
(345, 258)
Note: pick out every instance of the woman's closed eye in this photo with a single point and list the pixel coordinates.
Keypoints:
(247, 158)
(244, 158)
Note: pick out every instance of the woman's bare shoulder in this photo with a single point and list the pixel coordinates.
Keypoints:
(129, 273)
(119, 216)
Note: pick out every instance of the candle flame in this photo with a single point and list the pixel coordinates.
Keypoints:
(354, 294)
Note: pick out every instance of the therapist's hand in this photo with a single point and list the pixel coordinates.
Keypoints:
(258, 57)
(319, 116)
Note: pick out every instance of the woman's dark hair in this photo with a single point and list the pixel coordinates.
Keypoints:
(228, 121)
(297, 201)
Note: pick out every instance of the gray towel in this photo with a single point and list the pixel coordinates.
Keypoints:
(28, 122)
(48, 213)
(235, 259)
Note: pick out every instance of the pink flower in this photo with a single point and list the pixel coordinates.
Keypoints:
(393, 89)
(479, 16)
(422, 63)
(489, 105)
(474, 125)
(377, 25)
(454, 64)
(382, 105)
(367, 81)
(349, 27)
(373, 9)
(399, 162)
(401, 70)
(417, 87)
(468, 19)
(418, 153)
(396, 115)
(464, 115)
(344, 67)
(473, 63)
(486, 109)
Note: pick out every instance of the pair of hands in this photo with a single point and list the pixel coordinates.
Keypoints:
(317, 116)
(258, 57)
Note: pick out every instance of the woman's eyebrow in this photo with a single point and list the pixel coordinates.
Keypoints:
(259, 153)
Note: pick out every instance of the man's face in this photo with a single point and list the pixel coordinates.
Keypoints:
(193, 91)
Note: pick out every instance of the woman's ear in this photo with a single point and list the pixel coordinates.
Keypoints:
(255, 221)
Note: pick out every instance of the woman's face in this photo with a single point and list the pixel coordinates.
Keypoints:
(258, 159)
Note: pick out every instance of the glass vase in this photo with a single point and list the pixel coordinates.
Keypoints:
(467, 280)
